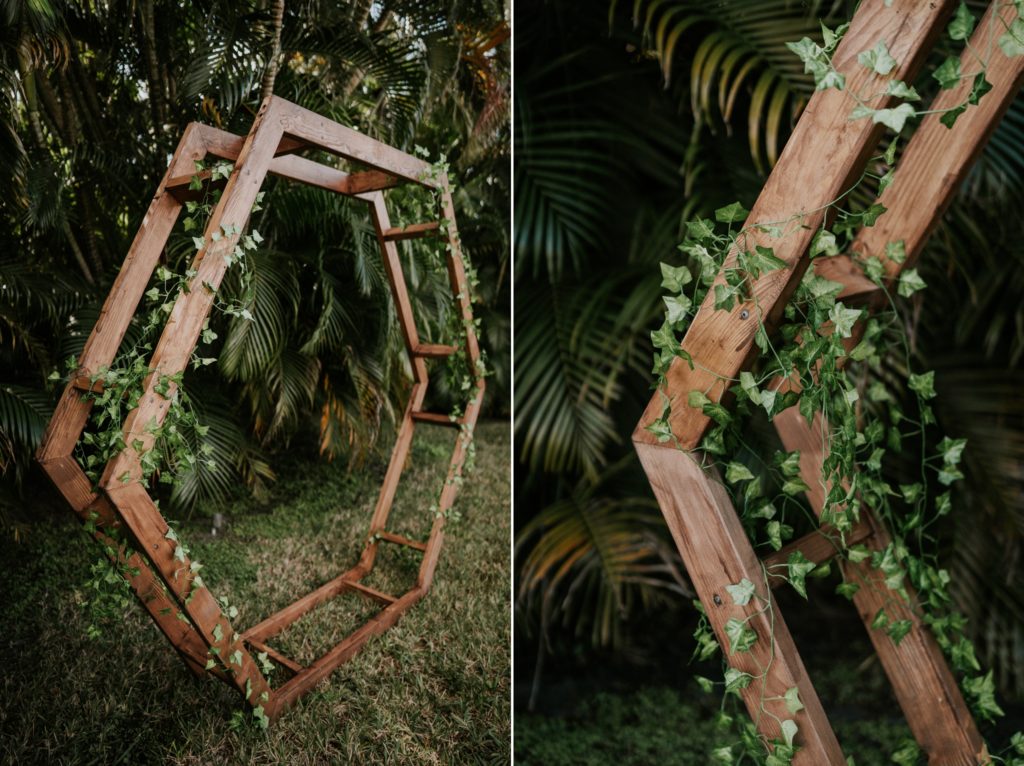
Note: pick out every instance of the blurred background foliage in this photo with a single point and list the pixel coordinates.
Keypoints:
(95, 97)
(631, 117)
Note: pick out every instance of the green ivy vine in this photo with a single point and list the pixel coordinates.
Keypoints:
(867, 425)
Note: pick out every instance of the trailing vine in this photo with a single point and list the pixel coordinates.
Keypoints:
(803, 364)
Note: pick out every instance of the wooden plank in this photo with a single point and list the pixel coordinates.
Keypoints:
(228, 146)
(191, 308)
(399, 540)
(819, 546)
(826, 149)
(412, 231)
(286, 694)
(934, 164)
(717, 553)
(433, 350)
(281, 619)
(399, 457)
(923, 684)
(369, 592)
(142, 518)
(328, 135)
(436, 418)
(276, 656)
(181, 186)
(370, 181)
(457, 274)
(396, 280)
(71, 413)
(76, 488)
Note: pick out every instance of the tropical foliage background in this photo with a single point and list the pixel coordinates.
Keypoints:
(629, 119)
(95, 97)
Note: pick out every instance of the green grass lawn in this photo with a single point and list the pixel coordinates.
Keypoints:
(433, 689)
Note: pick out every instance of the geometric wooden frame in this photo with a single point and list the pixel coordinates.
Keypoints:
(825, 152)
(190, 617)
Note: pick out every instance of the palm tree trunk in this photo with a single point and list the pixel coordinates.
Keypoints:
(147, 19)
(277, 18)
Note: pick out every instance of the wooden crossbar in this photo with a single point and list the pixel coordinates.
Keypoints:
(159, 571)
(703, 522)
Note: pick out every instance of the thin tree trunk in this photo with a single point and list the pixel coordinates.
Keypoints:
(277, 18)
(147, 18)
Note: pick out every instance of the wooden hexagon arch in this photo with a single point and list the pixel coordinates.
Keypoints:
(190, 617)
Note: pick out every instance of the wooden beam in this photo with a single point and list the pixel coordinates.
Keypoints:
(717, 553)
(436, 418)
(191, 308)
(433, 350)
(371, 593)
(826, 149)
(819, 546)
(275, 655)
(399, 540)
(934, 164)
(412, 231)
(312, 128)
(370, 181)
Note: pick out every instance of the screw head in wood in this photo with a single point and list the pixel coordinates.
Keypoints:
(718, 600)
(744, 314)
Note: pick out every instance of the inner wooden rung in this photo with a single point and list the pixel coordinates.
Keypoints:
(818, 546)
(399, 540)
(437, 418)
(276, 656)
(181, 186)
(376, 595)
(433, 350)
(412, 231)
(84, 383)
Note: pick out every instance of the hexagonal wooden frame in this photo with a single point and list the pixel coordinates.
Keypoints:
(190, 617)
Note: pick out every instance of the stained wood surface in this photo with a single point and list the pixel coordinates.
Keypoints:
(935, 162)
(717, 553)
(825, 151)
(191, 309)
(412, 231)
(819, 546)
(165, 582)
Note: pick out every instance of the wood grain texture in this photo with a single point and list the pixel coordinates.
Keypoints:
(924, 686)
(826, 150)
(143, 519)
(412, 231)
(191, 308)
(71, 413)
(934, 164)
(325, 134)
(717, 553)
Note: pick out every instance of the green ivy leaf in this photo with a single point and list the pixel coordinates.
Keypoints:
(900, 89)
(1012, 42)
(948, 73)
(741, 638)
(894, 118)
(910, 283)
(949, 117)
(982, 690)
(725, 297)
(697, 399)
(824, 243)
(799, 567)
(952, 450)
(878, 59)
(731, 213)
(980, 87)
(896, 251)
(898, 630)
(736, 680)
(737, 472)
(789, 730)
(674, 278)
(677, 308)
(923, 385)
(962, 25)
(706, 684)
(793, 703)
(741, 592)
(843, 319)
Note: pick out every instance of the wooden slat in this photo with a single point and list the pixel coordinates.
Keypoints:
(436, 418)
(717, 553)
(826, 149)
(457, 275)
(181, 186)
(399, 540)
(281, 619)
(396, 279)
(935, 162)
(370, 181)
(85, 383)
(917, 670)
(191, 308)
(433, 350)
(76, 488)
(312, 128)
(71, 413)
(142, 518)
(412, 231)
(818, 546)
(286, 694)
(276, 656)
(372, 593)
